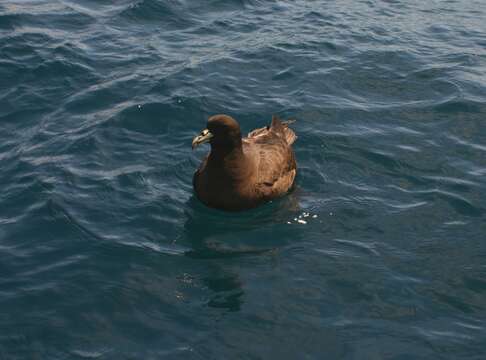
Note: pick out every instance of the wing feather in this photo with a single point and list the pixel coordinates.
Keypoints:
(276, 161)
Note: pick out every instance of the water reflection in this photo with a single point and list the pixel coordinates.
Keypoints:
(215, 236)
(213, 233)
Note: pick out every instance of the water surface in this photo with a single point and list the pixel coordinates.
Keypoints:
(106, 254)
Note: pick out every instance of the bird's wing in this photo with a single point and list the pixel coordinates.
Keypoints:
(278, 127)
(276, 166)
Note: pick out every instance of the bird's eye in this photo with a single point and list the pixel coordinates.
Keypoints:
(205, 132)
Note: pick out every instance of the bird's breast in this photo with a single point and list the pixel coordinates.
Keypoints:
(225, 189)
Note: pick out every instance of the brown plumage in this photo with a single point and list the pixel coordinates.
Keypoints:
(242, 173)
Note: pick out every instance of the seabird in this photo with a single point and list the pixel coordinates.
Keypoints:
(242, 173)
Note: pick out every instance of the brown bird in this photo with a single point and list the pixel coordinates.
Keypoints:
(242, 173)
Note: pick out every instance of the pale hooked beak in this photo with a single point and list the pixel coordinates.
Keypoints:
(202, 138)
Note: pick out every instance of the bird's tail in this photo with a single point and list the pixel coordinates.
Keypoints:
(283, 127)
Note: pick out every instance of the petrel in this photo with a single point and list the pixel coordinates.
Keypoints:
(242, 173)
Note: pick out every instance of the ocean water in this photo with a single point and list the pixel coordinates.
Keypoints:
(106, 254)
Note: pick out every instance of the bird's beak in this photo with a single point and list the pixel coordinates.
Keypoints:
(202, 138)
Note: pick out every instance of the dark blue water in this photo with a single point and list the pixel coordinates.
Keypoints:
(106, 254)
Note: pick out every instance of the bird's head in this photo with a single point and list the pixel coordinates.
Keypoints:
(222, 131)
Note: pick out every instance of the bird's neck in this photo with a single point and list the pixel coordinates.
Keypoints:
(230, 163)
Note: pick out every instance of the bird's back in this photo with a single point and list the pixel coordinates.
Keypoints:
(276, 165)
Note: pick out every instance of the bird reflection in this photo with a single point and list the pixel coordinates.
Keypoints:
(215, 235)
(228, 290)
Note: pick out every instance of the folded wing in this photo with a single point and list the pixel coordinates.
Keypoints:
(276, 160)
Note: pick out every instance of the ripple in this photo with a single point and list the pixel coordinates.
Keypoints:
(449, 335)
(155, 11)
(104, 246)
(109, 174)
(166, 250)
(452, 180)
(456, 201)
(460, 106)
(145, 118)
(55, 266)
(360, 246)
(86, 354)
(45, 14)
(467, 143)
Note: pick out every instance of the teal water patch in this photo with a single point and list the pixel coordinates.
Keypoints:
(378, 252)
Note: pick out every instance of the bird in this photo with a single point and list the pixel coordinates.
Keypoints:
(243, 173)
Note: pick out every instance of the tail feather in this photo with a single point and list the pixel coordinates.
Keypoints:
(290, 136)
(278, 126)
(283, 126)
